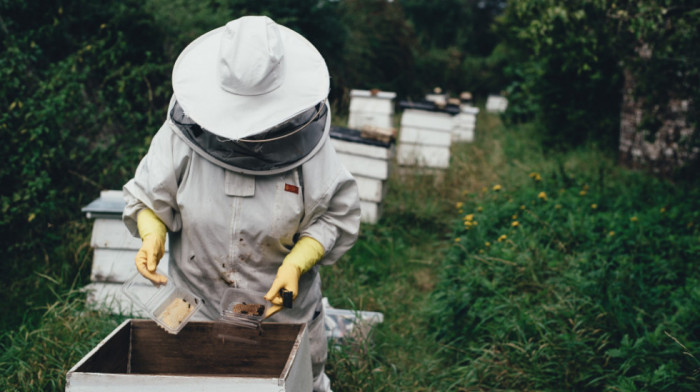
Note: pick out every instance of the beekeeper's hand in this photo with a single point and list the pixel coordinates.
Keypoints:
(304, 255)
(152, 232)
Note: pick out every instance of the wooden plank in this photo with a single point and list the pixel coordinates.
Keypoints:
(426, 120)
(357, 120)
(373, 93)
(423, 156)
(465, 120)
(370, 189)
(109, 297)
(369, 212)
(468, 109)
(463, 135)
(296, 375)
(112, 233)
(496, 104)
(117, 265)
(365, 150)
(424, 136)
(115, 345)
(364, 166)
(371, 105)
(155, 352)
(102, 382)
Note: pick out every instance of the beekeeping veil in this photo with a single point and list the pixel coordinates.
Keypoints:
(252, 95)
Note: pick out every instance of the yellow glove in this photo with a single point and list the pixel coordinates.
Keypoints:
(152, 232)
(304, 255)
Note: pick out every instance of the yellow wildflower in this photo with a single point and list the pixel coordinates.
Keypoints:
(662, 210)
(515, 217)
(594, 206)
(522, 207)
(582, 193)
(542, 196)
(533, 174)
(487, 244)
(459, 205)
(479, 209)
(633, 219)
(469, 217)
(611, 233)
(102, 26)
(497, 188)
(502, 238)
(538, 178)
(515, 224)
(458, 239)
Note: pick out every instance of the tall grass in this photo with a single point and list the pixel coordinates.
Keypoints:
(37, 358)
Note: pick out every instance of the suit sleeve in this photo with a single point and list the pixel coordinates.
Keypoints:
(156, 181)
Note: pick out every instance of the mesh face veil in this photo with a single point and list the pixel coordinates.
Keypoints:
(271, 150)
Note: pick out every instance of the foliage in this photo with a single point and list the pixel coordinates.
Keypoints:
(80, 82)
(566, 75)
(570, 56)
(456, 45)
(576, 281)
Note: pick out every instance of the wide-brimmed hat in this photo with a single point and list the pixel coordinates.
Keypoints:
(248, 76)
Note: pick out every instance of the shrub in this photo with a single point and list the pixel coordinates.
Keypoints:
(574, 282)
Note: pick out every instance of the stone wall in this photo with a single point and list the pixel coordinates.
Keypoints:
(670, 148)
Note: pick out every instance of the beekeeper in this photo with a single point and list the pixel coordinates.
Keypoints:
(243, 177)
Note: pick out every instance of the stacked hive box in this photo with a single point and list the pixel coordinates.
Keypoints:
(465, 123)
(368, 161)
(114, 253)
(373, 108)
(425, 138)
(496, 104)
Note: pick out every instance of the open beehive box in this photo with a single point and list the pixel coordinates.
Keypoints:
(139, 356)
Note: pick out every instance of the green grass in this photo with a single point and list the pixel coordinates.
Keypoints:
(573, 298)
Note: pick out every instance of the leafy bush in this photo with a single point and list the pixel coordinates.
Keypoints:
(578, 282)
(566, 75)
(82, 89)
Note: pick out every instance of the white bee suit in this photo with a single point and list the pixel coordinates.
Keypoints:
(228, 229)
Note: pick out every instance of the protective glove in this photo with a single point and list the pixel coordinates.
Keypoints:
(152, 231)
(304, 255)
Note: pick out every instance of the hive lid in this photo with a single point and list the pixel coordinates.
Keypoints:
(354, 135)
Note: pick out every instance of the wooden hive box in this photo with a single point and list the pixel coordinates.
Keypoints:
(139, 356)
(425, 139)
(369, 162)
(114, 253)
(373, 108)
(496, 104)
(465, 124)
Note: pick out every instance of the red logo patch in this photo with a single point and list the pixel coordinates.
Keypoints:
(291, 188)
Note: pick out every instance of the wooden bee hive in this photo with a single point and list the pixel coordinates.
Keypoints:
(140, 356)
